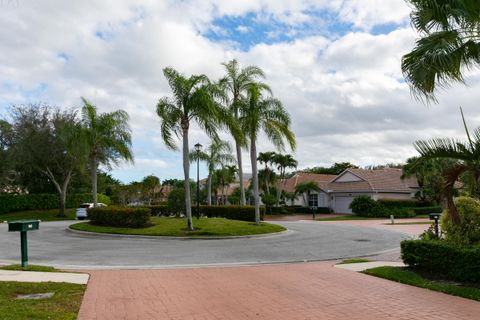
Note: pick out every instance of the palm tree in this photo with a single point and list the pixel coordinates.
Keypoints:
(283, 162)
(466, 154)
(218, 153)
(223, 178)
(193, 100)
(258, 113)
(450, 41)
(236, 83)
(266, 158)
(108, 138)
(305, 189)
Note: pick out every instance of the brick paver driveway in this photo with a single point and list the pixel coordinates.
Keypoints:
(288, 291)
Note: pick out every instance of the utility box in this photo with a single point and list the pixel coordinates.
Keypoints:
(23, 226)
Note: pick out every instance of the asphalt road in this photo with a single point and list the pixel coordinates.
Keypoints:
(305, 241)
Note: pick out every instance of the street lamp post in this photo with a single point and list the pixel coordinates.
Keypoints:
(198, 148)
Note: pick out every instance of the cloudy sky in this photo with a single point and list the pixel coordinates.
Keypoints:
(335, 64)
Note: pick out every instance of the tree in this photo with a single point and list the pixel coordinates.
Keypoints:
(450, 42)
(267, 114)
(150, 183)
(466, 156)
(108, 139)
(193, 100)
(335, 169)
(6, 140)
(305, 189)
(236, 83)
(217, 154)
(222, 178)
(283, 162)
(266, 158)
(52, 142)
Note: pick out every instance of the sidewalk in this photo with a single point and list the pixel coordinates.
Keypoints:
(35, 276)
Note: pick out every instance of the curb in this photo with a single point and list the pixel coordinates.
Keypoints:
(116, 235)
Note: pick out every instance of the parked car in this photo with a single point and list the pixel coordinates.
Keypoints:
(81, 212)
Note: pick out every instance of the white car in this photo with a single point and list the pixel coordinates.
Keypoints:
(81, 212)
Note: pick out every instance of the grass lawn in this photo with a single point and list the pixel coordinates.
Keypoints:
(176, 227)
(353, 261)
(64, 304)
(44, 215)
(407, 276)
(31, 267)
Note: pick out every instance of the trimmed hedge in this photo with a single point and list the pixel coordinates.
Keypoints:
(158, 209)
(297, 209)
(459, 263)
(427, 210)
(395, 203)
(12, 203)
(364, 206)
(122, 217)
(243, 213)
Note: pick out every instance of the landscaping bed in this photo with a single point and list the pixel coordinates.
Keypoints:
(176, 227)
(64, 304)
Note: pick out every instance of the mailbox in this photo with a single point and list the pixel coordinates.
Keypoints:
(23, 225)
(434, 216)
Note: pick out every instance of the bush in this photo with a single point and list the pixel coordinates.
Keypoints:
(459, 263)
(468, 230)
(244, 213)
(158, 210)
(427, 210)
(395, 203)
(119, 217)
(297, 209)
(12, 203)
(364, 206)
(176, 201)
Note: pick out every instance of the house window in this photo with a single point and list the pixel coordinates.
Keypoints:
(313, 200)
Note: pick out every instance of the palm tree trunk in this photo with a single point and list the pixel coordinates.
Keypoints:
(253, 159)
(209, 191)
(279, 189)
(186, 183)
(93, 172)
(240, 173)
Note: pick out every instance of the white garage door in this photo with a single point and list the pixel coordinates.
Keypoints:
(342, 204)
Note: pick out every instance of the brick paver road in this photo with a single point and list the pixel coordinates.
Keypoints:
(288, 291)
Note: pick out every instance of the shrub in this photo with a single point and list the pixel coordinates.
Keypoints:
(244, 213)
(12, 203)
(297, 209)
(468, 230)
(365, 206)
(427, 210)
(459, 263)
(119, 217)
(176, 201)
(395, 203)
(158, 210)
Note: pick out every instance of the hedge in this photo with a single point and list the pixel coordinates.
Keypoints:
(158, 209)
(394, 203)
(458, 263)
(297, 209)
(12, 203)
(122, 217)
(427, 210)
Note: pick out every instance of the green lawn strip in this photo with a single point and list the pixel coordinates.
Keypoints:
(403, 275)
(64, 304)
(32, 267)
(176, 227)
(353, 261)
(44, 215)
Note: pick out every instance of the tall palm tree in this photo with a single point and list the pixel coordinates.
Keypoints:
(218, 154)
(305, 189)
(283, 162)
(466, 154)
(259, 113)
(193, 100)
(236, 83)
(266, 158)
(450, 42)
(108, 138)
(224, 177)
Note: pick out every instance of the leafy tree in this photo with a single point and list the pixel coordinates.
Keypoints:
(305, 188)
(6, 140)
(283, 162)
(449, 42)
(259, 113)
(236, 83)
(336, 168)
(193, 101)
(217, 154)
(466, 156)
(222, 178)
(172, 182)
(150, 183)
(108, 138)
(266, 180)
(51, 142)
(266, 158)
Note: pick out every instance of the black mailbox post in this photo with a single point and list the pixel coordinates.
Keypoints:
(23, 226)
(435, 217)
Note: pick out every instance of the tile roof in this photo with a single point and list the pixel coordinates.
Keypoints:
(322, 180)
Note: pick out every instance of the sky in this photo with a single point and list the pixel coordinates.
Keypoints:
(334, 64)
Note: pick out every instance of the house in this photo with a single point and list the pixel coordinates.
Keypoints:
(338, 191)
